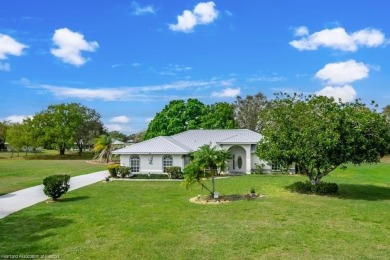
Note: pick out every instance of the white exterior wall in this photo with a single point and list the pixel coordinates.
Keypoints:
(156, 165)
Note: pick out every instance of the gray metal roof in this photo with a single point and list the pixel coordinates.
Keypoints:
(188, 141)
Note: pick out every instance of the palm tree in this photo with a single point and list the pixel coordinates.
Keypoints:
(104, 148)
(206, 162)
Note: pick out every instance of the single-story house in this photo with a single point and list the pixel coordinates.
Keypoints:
(153, 155)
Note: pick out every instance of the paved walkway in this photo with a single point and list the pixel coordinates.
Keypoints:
(15, 201)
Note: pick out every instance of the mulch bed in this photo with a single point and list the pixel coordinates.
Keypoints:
(208, 200)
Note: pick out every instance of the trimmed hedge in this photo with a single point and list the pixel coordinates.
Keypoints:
(323, 188)
(149, 176)
(123, 171)
(113, 170)
(174, 172)
(56, 185)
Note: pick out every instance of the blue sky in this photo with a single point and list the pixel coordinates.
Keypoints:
(128, 59)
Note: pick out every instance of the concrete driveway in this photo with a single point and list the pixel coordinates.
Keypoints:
(17, 200)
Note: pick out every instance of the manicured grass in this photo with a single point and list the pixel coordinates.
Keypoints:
(154, 220)
(23, 172)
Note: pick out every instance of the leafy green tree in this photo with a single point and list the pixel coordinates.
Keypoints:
(176, 117)
(219, 116)
(3, 133)
(318, 134)
(247, 111)
(206, 162)
(386, 112)
(118, 136)
(137, 137)
(103, 146)
(90, 127)
(65, 124)
(17, 137)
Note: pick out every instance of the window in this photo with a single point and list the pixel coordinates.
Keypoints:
(134, 163)
(239, 162)
(167, 161)
(234, 161)
(275, 167)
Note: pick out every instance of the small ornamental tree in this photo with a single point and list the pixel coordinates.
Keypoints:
(56, 185)
(318, 134)
(205, 163)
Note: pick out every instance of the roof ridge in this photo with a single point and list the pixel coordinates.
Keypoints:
(181, 148)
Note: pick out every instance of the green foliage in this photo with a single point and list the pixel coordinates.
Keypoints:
(118, 136)
(149, 176)
(207, 161)
(103, 146)
(259, 169)
(18, 137)
(56, 185)
(176, 117)
(322, 188)
(247, 111)
(113, 170)
(179, 116)
(174, 172)
(123, 171)
(319, 134)
(219, 116)
(60, 126)
(3, 133)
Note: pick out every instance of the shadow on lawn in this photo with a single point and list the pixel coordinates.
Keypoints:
(23, 234)
(363, 192)
(73, 199)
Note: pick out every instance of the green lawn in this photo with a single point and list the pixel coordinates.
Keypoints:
(25, 171)
(154, 220)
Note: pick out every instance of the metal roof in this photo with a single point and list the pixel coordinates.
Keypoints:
(191, 140)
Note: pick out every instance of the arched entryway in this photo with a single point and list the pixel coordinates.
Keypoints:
(237, 164)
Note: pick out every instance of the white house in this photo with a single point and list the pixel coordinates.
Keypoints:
(153, 155)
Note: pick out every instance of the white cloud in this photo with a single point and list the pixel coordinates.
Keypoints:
(343, 72)
(142, 10)
(346, 93)
(9, 46)
(144, 93)
(301, 31)
(17, 118)
(338, 38)
(227, 92)
(203, 13)
(273, 78)
(149, 119)
(120, 119)
(114, 127)
(70, 44)
(5, 66)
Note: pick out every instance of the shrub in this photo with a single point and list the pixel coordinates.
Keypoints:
(174, 172)
(123, 171)
(150, 176)
(113, 170)
(56, 185)
(259, 169)
(323, 188)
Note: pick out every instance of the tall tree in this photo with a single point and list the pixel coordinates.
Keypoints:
(3, 133)
(67, 123)
(17, 137)
(386, 112)
(118, 136)
(90, 127)
(176, 117)
(219, 116)
(207, 161)
(137, 137)
(318, 134)
(247, 111)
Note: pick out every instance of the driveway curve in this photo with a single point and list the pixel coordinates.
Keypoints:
(17, 200)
